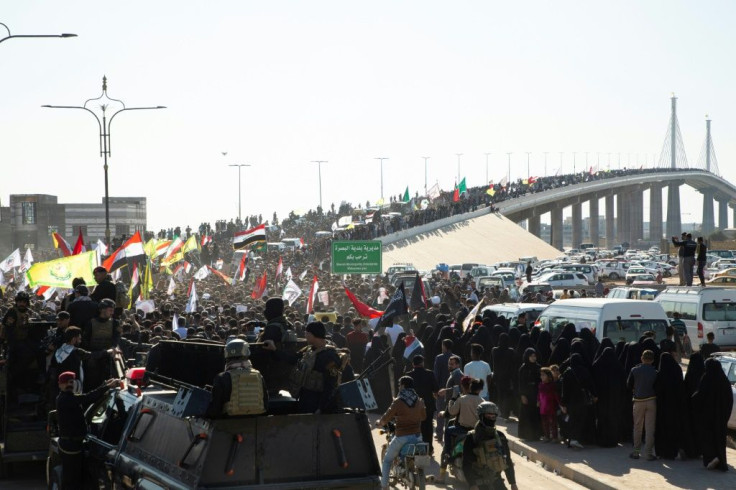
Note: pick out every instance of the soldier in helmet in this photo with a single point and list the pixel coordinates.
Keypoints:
(318, 372)
(22, 353)
(486, 453)
(16, 319)
(100, 334)
(240, 389)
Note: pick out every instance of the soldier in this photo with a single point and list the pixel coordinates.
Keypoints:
(486, 453)
(277, 357)
(240, 389)
(21, 352)
(101, 334)
(318, 372)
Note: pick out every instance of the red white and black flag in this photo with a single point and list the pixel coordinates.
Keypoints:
(130, 251)
(243, 239)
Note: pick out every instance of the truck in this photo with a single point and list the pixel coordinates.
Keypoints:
(612, 269)
(152, 433)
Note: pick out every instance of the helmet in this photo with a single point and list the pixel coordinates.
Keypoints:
(237, 348)
(22, 296)
(486, 407)
(106, 303)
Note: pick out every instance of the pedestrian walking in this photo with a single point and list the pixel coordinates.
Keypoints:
(641, 380)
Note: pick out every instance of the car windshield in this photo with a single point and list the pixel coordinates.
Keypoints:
(632, 330)
(729, 367)
(719, 312)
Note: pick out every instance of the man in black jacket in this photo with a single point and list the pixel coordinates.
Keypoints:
(70, 409)
(105, 288)
(82, 309)
(426, 387)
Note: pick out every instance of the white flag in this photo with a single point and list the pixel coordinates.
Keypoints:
(192, 303)
(324, 297)
(202, 273)
(172, 287)
(287, 274)
(471, 315)
(27, 260)
(303, 275)
(101, 247)
(291, 292)
(434, 192)
(13, 260)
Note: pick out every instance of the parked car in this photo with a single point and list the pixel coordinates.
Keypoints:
(613, 269)
(644, 280)
(562, 279)
(723, 281)
(626, 292)
(634, 271)
(730, 272)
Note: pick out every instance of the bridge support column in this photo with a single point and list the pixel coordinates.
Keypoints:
(623, 216)
(723, 214)
(636, 217)
(610, 223)
(556, 225)
(708, 219)
(655, 213)
(593, 222)
(533, 225)
(674, 221)
(577, 225)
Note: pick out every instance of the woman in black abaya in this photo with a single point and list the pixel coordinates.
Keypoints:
(530, 424)
(577, 385)
(560, 352)
(713, 404)
(670, 391)
(690, 436)
(543, 348)
(606, 342)
(610, 385)
(503, 374)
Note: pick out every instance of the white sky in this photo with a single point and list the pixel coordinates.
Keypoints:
(278, 84)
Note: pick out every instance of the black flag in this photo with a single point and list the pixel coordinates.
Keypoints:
(418, 297)
(397, 306)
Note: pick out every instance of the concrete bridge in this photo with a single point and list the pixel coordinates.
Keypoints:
(624, 203)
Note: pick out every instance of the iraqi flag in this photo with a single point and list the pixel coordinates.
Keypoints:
(206, 239)
(131, 250)
(312, 293)
(192, 303)
(397, 306)
(27, 260)
(61, 244)
(242, 268)
(413, 347)
(362, 308)
(279, 268)
(243, 239)
(259, 289)
(79, 246)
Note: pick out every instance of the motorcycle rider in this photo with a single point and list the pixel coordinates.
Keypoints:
(465, 411)
(409, 412)
(486, 453)
(240, 389)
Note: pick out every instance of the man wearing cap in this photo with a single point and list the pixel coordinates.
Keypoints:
(82, 309)
(277, 357)
(70, 409)
(319, 372)
(105, 288)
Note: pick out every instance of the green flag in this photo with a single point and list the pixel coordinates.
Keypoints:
(406, 195)
(462, 188)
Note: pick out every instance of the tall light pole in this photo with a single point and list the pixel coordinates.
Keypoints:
(508, 177)
(319, 170)
(105, 141)
(381, 159)
(425, 174)
(19, 36)
(458, 167)
(545, 163)
(239, 165)
(528, 174)
(574, 162)
(487, 179)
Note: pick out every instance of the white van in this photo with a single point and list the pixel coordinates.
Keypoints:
(276, 246)
(617, 319)
(703, 310)
(511, 311)
(292, 243)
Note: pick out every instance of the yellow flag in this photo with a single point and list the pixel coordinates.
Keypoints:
(147, 281)
(190, 244)
(172, 259)
(490, 192)
(150, 247)
(60, 272)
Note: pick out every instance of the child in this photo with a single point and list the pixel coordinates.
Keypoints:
(549, 402)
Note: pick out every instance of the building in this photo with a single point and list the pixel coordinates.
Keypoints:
(30, 220)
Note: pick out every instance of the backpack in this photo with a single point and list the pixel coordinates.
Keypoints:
(122, 300)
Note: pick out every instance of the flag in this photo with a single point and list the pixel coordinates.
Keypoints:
(291, 292)
(192, 303)
(397, 306)
(171, 289)
(287, 274)
(324, 297)
(279, 268)
(242, 267)
(418, 296)
(79, 246)
(303, 274)
(174, 252)
(362, 308)
(161, 248)
(190, 245)
(101, 247)
(312, 294)
(455, 195)
(60, 272)
(45, 292)
(61, 244)
(132, 249)
(301, 242)
(222, 276)
(491, 192)
(150, 248)
(27, 260)
(406, 195)
(434, 192)
(205, 240)
(533, 180)
(504, 182)
(202, 273)
(413, 347)
(147, 280)
(259, 288)
(242, 239)
(135, 286)
(462, 188)
(183, 267)
(471, 316)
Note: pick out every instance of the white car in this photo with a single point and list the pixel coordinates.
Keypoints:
(634, 271)
(644, 280)
(562, 279)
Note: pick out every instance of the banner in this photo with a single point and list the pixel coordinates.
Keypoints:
(291, 292)
(60, 272)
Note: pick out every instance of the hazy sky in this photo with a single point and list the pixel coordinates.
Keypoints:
(278, 84)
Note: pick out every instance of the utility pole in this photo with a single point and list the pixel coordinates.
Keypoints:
(508, 177)
(528, 174)
(458, 167)
(381, 159)
(487, 179)
(425, 174)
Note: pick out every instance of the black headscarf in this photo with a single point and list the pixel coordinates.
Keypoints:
(568, 332)
(544, 348)
(713, 403)
(514, 335)
(560, 352)
(534, 335)
(695, 371)
(606, 342)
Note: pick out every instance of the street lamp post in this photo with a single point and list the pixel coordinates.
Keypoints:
(574, 162)
(425, 174)
(381, 159)
(239, 165)
(528, 174)
(18, 36)
(458, 166)
(319, 171)
(508, 178)
(105, 141)
(487, 180)
(545, 163)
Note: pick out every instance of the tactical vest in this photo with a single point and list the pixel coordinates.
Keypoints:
(20, 327)
(246, 396)
(306, 376)
(489, 454)
(100, 334)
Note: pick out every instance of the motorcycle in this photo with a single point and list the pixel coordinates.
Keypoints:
(409, 467)
(455, 459)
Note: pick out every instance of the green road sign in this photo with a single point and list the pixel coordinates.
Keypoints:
(356, 257)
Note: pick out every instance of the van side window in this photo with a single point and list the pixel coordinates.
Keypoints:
(719, 312)
(632, 330)
(688, 311)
